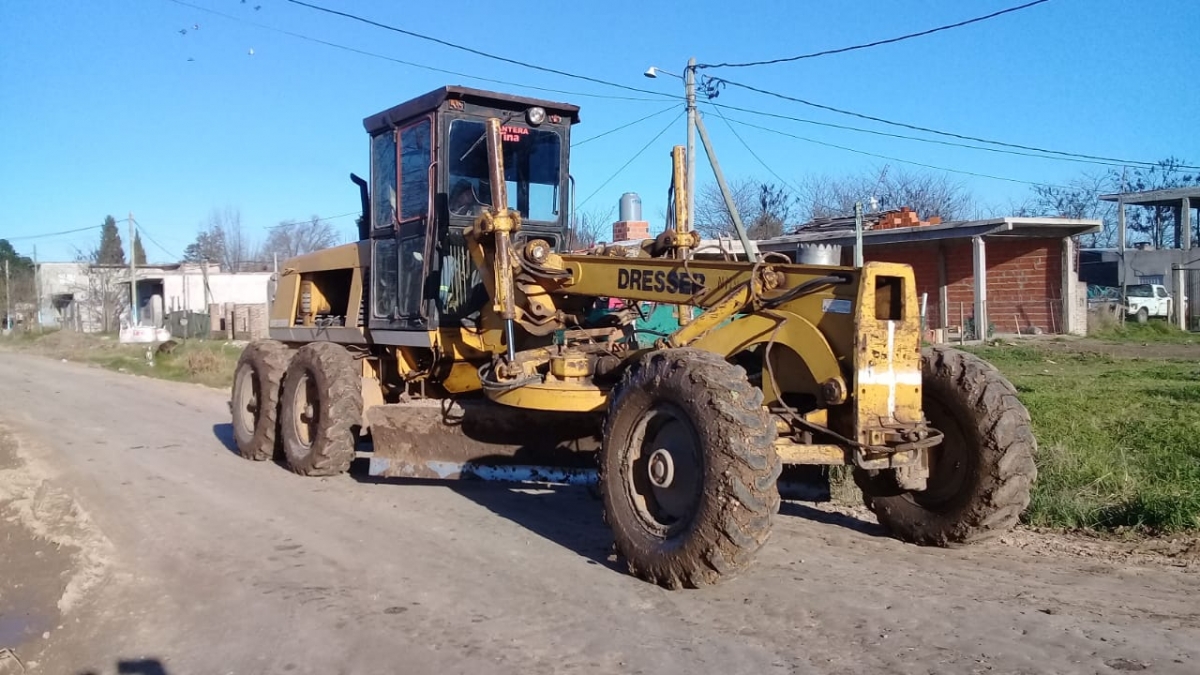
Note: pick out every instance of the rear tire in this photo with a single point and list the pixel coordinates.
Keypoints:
(981, 473)
(688, 469)
(254, 401)
(321, 404)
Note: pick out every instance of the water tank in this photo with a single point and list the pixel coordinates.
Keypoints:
(819, 254)
(631, 207)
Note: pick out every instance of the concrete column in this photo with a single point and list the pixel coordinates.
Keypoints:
(1121, 226)
(1180, 291)
(979, 256)
(1070, 290)
(1185, 219)
(943, 293)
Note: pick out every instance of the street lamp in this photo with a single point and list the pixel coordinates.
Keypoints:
(689, 89)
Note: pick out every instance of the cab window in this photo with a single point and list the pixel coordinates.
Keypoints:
(531, 170)
(415, 157)
(383, 180)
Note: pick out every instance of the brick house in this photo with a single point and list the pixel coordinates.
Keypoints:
(1022, 274)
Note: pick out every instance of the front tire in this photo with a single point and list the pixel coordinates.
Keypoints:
(1143, 315)
(981, 473)
(254, 401)
(688, 469)
(321, 404)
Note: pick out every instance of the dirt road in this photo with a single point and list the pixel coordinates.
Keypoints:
(188, 559)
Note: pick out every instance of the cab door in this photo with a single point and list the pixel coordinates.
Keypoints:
(400, 223)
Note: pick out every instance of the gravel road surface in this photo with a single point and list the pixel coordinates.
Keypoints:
(173, 555)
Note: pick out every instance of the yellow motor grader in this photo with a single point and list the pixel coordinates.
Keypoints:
(465, 337)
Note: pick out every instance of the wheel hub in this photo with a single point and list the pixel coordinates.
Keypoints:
(661, 469)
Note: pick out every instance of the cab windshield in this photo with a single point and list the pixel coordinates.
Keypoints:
(531, 170)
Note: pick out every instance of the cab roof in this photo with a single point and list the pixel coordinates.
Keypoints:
(430, 101)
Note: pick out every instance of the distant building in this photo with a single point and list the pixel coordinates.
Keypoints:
(1010, 274)
(79, 296)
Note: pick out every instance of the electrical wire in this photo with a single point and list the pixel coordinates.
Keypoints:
(888, 134)
(625, 126)
(142, 231)
(472, 50)
(889, 158)
(293, 223)
(27, 237)
(715, 83)
(876, 43)
(631, 159)
(411, 64)
(754, 154)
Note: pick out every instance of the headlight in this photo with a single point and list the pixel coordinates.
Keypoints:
(535, 116)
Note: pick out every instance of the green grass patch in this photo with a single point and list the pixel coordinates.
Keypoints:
(1152, 331)
(1119, 439)
(207, 362)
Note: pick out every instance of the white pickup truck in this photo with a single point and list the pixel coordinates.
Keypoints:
(1144, 301)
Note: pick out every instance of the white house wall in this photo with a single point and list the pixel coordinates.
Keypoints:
(187, 291)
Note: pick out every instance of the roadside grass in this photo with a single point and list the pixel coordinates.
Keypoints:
(207, 362)
(1152, 331)
(1118, 438)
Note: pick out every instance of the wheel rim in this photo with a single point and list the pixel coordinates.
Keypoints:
(949, 461)
(245, 404)
(304, 410)
(664, 473)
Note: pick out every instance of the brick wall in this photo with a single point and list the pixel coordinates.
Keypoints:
(1024, 280)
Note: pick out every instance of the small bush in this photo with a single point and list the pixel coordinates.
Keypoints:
(201, 362)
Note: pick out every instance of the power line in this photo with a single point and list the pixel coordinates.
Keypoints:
(876, 43)
(52, 234)
(890, 159)
(715, 83)
(412, 64)
(888, 134)
(142, 231)
(472, 50)
(293, 223)
(624, 126)
(626, 164)
(754, 154)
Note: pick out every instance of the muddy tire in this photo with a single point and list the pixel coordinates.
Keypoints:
(1143, 315)
(688, 469)
(981, 473)
(254, 401)
(321, 405)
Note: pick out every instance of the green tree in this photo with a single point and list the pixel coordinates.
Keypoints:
(139, 253)
(111, 252)
(16, 262)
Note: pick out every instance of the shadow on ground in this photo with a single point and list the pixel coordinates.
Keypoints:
(566, 515)
(136, 667)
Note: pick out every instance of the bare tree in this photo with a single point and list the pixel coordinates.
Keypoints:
(103, 290)
(927, 193)
(588, 228)
(712, 217)
(224, 240)
(1080, 199)
(292, 238)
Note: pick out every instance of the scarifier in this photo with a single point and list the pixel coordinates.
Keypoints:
(467, 339)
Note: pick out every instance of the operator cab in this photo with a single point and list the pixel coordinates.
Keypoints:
(429, 181)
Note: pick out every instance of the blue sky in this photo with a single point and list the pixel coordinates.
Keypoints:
(104, 113)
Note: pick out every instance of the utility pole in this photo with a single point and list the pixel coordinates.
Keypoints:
(858, 234)
(133, 299)
(7, 298)
(37, 288)
(689, 81)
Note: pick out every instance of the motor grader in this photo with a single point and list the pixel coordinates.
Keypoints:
(468, 336)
